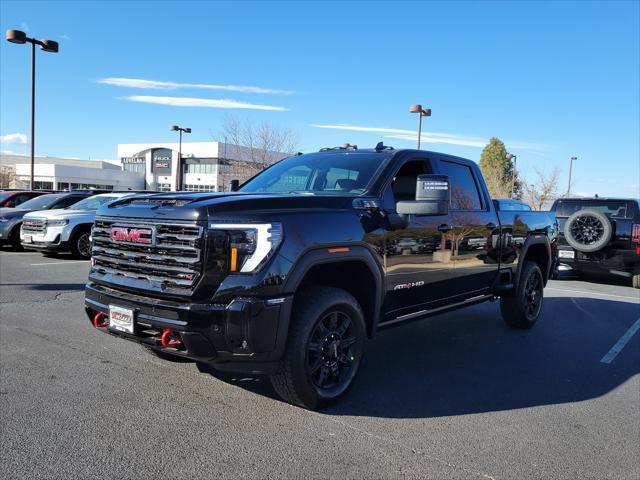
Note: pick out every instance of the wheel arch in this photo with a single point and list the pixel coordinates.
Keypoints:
(536, 248)
(354, 270)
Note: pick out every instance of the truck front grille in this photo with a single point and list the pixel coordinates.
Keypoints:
(36, 225)
(167, 256)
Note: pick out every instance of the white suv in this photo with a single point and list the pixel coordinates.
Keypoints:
(65, 229)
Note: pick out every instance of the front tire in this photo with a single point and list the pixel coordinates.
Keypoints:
(81, 245)
(324, 348)
(521, 308)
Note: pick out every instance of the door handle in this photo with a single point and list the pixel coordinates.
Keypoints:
(444, 228)
(491, 225)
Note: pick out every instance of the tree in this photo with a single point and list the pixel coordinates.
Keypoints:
(252, 147)
(498, 170)
(543, 189)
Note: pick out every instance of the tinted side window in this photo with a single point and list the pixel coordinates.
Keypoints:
(464, 191)
(65, 202)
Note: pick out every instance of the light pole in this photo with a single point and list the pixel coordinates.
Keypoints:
(571, 160)
(16, 36)
(176, 128)
(510, 156)
(422, 112)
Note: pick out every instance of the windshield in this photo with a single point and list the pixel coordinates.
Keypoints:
(40, 203)
(319, 174)
(611, 208)
(92, 203)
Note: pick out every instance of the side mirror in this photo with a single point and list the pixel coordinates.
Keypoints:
(433, 197)
(234, 185)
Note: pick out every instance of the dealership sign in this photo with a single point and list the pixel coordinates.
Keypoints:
(161, 160)
(132, 159)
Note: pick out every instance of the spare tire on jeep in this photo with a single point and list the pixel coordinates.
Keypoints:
(588, 231)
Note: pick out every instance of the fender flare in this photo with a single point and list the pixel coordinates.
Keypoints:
(535, 239)
(321, 255)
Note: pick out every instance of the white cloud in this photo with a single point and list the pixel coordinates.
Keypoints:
(200, 102)
(161, 85)
(13, 138)
(65, 37)
(24, 26)
(430, 137)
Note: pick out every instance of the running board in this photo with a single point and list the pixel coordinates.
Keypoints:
(434, 311)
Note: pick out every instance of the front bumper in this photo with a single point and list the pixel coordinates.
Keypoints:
(54, 239)
(246, 335)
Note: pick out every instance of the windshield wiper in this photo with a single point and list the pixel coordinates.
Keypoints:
(302, 192)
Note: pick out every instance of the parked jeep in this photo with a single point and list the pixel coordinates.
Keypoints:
(600, 235)
(289, 275)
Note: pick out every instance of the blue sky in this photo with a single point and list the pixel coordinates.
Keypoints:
(552, 79)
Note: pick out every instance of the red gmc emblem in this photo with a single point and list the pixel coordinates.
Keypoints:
(132, 235)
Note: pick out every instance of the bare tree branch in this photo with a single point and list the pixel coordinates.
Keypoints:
(540, 192)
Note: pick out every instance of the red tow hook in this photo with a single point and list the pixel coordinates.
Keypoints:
(98, 322)
(167, 342)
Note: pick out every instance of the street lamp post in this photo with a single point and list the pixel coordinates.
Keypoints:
(176, 128)
(510, 156)
(19, 37)
(571, 160)
(422, 112)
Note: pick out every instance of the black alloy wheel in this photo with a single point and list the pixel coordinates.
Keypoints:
(331, 351)
(532, 296)
(587, 229)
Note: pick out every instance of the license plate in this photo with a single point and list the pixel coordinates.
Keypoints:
(28, 239)
(567, 254)
(121, 319)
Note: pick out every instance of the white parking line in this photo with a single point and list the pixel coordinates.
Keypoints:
(624, 339)
(589, 292)
(60, 263)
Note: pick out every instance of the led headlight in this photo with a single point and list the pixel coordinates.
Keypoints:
(56, 223)
(250, 244)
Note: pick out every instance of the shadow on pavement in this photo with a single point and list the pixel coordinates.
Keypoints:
(469, 362)
(49, 287)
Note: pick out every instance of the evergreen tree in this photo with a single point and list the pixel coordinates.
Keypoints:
(497, 170)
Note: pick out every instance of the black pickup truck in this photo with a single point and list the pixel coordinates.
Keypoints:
(290, 274)
(600, 234)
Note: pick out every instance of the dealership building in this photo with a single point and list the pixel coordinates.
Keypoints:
(206, 167)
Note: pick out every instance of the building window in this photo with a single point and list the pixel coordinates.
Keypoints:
(38, 185)
(199, 168)
(200, 188)
(87, 186)
(164, 187)
(134, 167)
(63, 185)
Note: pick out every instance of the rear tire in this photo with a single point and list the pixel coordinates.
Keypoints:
(80, 245)
(521, 308)
(324, 348)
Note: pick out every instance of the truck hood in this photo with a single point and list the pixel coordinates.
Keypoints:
(194, 206)
(13, 212)
(60, 213)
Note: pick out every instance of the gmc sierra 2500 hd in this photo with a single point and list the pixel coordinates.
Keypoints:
(290, 274)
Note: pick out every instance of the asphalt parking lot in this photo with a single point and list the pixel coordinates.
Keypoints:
(456, 396)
